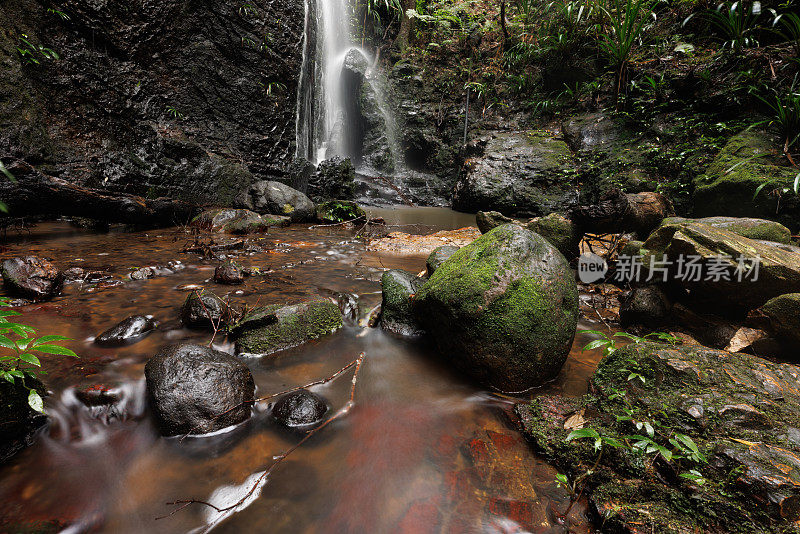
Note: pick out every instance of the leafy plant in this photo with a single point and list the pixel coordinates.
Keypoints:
(175, 113)
(736, 22)
(20, 360)
(791, 29)
(31, 53)
(785, 116)
(609, 344)
(58, 13)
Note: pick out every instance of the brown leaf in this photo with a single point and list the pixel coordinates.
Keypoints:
(575, 421)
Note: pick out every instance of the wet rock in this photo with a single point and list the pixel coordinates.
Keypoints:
(336, 211)
(559, 231)
(74, 274)
(203, 310)
(348, 307)
(739, 411)
(648, 306)
(632, 248)
(503, 309)
(237, 221)
(333, 179)
(783, 313)
(18, 421)
(300, 409)
(742, 166)
(274, 197)
(721, 250)
(31, 277)
(98, 395)
(489, 220)
(195, 389)
(521, 174)
(270, 329)
(438, 257)
(759, 229)
(398, 289)
(128, 331)
(228, 273)
(142, 273)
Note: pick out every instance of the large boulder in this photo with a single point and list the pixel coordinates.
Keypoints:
(720, 251)
(503, 309)
(732, 179)
(759, 229)
(32, 277)
(559, 231)
(520, 174)
(333, 179)
(267, 197)
(438, 256)
(783, 313)
(270, 329)
(237, 221)
(740, 411)
(398, 288)
(195, 389)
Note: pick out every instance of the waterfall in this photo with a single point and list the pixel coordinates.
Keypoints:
(342, 106)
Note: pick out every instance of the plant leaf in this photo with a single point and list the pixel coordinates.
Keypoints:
(35, 401)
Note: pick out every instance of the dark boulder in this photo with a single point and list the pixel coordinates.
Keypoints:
(274, 197)
(503, 309)
(783, 314)
(270, 329)
(237, 221)
(128, 331)
(228, 273)
(398, 288)
(333, 179)
(489, 220)
(521, 174)
(559, 230)
(300, 409)
(203, 310)
(19, 422)
(32, 277)
(196, 389)
(438, 257)
(648, 306)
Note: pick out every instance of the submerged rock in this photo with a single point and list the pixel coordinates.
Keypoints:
(143, 273)
(300, 409)
(32, 277)
(274, 197)
(336, 211)
(403, 243)
(778, 269)
(128, 331)
(203, 310)
(503, 309)
(270, 329)
(228, 273)
(333, 179)
(521, 174)
(398, 288)
(237, 221)
(438, 257)
(739, 410)
(196, 389)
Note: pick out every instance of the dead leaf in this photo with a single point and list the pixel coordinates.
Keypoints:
(743, 338)
(575, 421)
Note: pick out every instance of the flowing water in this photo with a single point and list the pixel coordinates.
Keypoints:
(423, 449)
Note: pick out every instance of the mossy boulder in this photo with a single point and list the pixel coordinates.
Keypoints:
(560, 231)
(237, 221)
(398, 288)
(267, 197)
(783, 313)
(489, 220)
(739, 410)
(503, 309)
(438, 257)
(760, 229)
(528, 173)
(721, 251)
(337, 211)
(746, 162)
(270, 329)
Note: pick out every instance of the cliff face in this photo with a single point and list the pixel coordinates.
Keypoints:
(192, 99)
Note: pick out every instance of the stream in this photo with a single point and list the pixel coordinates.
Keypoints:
(423, 450)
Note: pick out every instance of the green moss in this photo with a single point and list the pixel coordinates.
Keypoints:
(273, 328)
(336, 211)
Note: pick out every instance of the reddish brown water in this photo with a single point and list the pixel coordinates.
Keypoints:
(423, 450)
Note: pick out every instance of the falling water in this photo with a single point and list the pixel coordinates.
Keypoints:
(326, 123)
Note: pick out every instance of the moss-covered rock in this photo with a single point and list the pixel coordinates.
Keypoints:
(438, 257)
(760, 229)
(527, 173)
(398, 289)
(784, 316)
(739, 410)
(744, 164)
(237, 221)
(270, 329)
(336, 211)
(503, 308)
(559, 231)
(721, 250)
(489, 220)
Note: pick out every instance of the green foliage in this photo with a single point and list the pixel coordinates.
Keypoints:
(626, 21)
(175, 113)
(785, 115)
(791, 29)
(33, 54)
(736, 22)
(609, 344)
(21, 357)
(60, 14)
